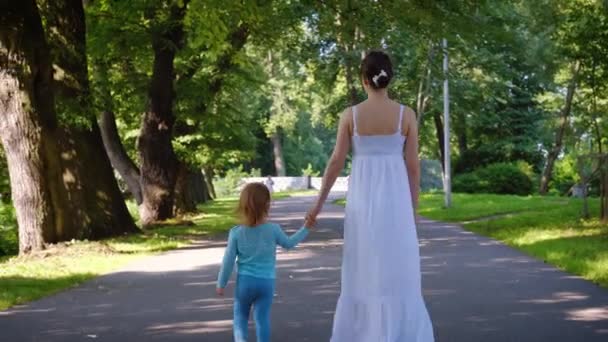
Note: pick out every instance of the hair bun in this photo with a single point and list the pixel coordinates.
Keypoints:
(376, 79)
(377, 69)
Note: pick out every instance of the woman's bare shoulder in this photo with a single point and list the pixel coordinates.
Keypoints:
(408, 111)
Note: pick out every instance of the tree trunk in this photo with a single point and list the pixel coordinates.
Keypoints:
(585, 201)
(27, 121)
(350, 82)
(157, 158)
(93, 196)
(190, 190)
(209, 174)
(424, 88)
(118, 156)
(604, 194)
(277, 150)
(53, 196)
(460, 128)
(184, 199)
(198, 185)
(559, 136)
(439, 131)
(95, 205)
(30, 132)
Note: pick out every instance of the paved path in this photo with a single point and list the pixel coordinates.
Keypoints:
(476, 290)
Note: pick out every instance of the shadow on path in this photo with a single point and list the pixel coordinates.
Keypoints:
(476, 289)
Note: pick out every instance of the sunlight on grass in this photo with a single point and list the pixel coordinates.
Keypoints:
(548, 228)
(474, 206)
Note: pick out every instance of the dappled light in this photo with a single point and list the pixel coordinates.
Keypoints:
(475, 289)
(129, 128)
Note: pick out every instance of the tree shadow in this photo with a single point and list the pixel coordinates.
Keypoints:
(178, 305)
(476, 289)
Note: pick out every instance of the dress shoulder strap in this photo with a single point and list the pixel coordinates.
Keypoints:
(354, 110)
(400, 125)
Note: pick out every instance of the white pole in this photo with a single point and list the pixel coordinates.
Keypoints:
(447, 182)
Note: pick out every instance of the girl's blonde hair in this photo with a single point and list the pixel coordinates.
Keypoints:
(254, 204)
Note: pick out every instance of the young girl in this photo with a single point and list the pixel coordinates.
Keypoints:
(253, 245)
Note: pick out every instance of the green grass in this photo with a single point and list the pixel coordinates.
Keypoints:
(26, 278)
(467, 207)
(548, 228)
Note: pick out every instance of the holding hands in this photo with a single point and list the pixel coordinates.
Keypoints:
(309, 222)
(311, 216)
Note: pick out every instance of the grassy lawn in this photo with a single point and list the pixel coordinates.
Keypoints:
(466, 207)
(548, 228)
(23, 279)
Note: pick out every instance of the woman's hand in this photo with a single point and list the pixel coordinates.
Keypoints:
(219, 291)
(312, 214)
(309, 223)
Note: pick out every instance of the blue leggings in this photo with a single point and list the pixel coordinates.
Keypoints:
(257, 292)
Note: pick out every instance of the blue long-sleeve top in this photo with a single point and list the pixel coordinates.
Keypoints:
(255, 249)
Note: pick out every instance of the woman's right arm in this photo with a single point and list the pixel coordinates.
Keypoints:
(336, 162)
(412, 161)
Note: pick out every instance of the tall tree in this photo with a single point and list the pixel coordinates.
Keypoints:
(97, 206)
(28, 122)
(559, 135)
(48, 163)
(157, 158)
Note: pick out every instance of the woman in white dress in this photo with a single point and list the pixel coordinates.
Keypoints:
(381, 296)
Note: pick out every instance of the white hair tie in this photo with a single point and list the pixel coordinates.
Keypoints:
(376, 77)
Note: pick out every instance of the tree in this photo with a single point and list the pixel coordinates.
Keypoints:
(158, 161)
(97, 206)
(28, 122)
(559, 135)
(46, 161)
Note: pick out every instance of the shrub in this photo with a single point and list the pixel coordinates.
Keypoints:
(468, 183)
(498, 178)
(229, 184)
(505, 178)
(9, 243)
(565, 174)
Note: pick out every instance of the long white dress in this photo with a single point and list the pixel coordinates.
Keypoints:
(381, 298)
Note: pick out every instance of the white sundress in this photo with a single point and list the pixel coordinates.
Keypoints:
(381, 296)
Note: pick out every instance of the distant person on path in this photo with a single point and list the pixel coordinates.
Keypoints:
(252, 244)
(269, 184)
(381, 295)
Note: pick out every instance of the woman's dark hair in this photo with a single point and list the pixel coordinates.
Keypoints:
(377, 69)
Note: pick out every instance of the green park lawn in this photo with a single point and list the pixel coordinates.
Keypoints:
(548, 228)
(30, 277)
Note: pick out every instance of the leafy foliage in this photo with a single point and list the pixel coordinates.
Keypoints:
(498, 178)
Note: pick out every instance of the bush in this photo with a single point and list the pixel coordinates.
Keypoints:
(9, 243)
(565, 174)
(229, 184)
(498, 178)
(469, 183)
